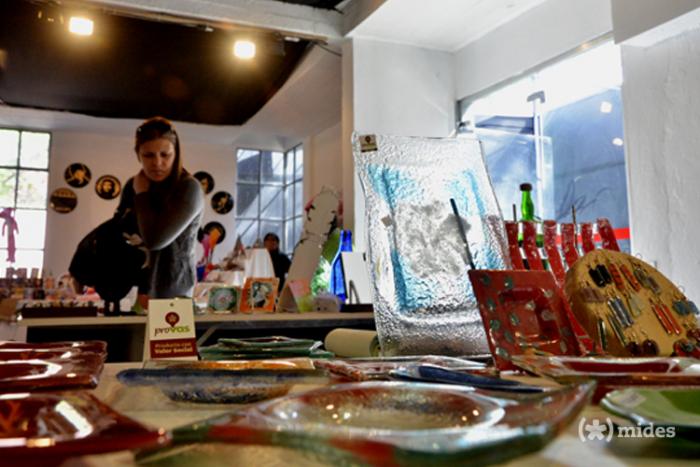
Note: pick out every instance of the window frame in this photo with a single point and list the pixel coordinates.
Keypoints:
(18, 167)
(295, 151)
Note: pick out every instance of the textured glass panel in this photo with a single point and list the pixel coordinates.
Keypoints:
(423, 300)
(31, 191)
(247, 200)
(288, 201)
(248, 230)
(9, 145)
(248, 167)
(32, 227)
(298, 198)
(299, 163)
(34, 151)
(8, 179)
(271, 197)
(272, 166)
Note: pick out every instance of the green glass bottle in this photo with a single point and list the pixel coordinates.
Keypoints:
(527, 207)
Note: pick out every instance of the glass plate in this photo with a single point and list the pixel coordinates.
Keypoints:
(363, 369)
(270, 364)
(46, 428)
(221, 386)
(99, 347)
(614, 373)
(268, 342)
(398, 423)
(659, 407)
(79, 371)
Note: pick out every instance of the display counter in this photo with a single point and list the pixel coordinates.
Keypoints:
(129, 331)
(149, 406)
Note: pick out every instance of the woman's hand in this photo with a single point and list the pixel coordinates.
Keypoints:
(141, 183)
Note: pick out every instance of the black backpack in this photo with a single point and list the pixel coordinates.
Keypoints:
(111, 258)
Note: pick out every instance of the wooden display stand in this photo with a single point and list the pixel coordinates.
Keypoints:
(649, 303)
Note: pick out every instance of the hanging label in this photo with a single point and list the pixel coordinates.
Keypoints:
(368, 143)
(171, 331)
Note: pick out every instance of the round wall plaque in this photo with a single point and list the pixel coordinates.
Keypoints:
(77, 175)
(108, 187)
(63, 200)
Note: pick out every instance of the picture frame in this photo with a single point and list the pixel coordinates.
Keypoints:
(259, 295)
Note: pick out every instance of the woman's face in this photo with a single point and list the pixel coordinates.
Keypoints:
(157, 157)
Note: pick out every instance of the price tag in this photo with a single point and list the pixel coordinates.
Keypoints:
(171, 331)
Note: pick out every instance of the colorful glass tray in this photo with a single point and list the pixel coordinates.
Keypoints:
(614, 373)
(270, 364)
(222, 385)
(523, 312)
(363, 369)
(678, 408)
(437, 374)
(80, 371)
(398, 423)
(46, 428)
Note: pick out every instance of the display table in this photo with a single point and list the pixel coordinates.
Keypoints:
(149, 406)
(130, 330)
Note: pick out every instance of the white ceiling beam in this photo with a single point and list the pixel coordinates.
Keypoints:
(293, 19)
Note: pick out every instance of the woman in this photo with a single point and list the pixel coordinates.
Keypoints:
(167, 202)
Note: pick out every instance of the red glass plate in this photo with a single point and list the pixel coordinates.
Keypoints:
(99, 347)
(614, 373)
(43, 354)
(80, 371)
(46, 428)
(523, 312)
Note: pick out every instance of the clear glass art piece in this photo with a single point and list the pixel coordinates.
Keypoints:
(423, 299)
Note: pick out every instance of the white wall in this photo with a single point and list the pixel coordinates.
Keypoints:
(391, 89)
(323, 161)
(637, 21)
(109, 154)
(661, 98)
(539, 35)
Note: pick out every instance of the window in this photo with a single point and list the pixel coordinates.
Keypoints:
(561, 130)
(24, 179)
(270, 195)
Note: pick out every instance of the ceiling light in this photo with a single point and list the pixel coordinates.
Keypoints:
(606, 107)
(81, 26)
(617, 141)
(244, 49)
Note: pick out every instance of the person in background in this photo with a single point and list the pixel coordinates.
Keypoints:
(168, 204)
(280, 261)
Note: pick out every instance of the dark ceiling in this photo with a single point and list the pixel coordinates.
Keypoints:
(325, 4)
(134, 68)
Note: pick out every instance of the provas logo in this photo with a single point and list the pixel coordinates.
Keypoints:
(172, 319)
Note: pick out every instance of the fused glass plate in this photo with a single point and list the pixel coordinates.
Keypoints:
(614, 373)
(398, 423)
(364, 369)
(423, 301)
(523, 312)
(45, 428)
(80, 371)
(221, 386)
(677, 408)
(99, 347)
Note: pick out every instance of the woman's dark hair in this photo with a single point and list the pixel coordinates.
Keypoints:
(271, 236)
(161, 127)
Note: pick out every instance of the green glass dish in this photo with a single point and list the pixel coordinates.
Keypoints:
(679, 408)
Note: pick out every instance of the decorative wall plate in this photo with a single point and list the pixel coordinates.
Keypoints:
(205, 180)
(207, 229)
(222, 202)
(108, 187)
(63, 200)
(77, 175)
